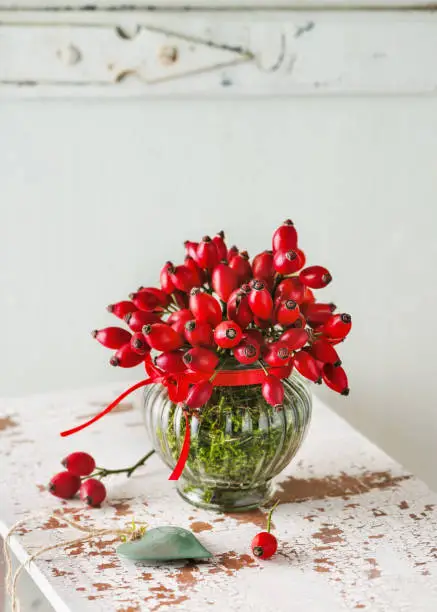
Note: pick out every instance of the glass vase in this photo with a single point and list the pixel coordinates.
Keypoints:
(238, 442)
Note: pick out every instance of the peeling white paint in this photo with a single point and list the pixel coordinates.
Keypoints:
(219, 54)
(355, 530)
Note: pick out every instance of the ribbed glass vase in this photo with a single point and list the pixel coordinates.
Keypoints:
(238, 444)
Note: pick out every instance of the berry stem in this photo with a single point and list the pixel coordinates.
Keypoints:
(263, 366)
(269, 517)
(175, 303)
(102, 472)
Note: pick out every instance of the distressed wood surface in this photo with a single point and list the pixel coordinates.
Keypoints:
(213, 5)
(356, 531)
(88, 53)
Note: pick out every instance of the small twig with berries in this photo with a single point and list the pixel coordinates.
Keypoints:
(82, 475)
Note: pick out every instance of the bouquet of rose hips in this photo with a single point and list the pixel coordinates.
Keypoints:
(218, 306)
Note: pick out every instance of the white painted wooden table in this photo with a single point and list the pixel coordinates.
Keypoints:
(356, 531)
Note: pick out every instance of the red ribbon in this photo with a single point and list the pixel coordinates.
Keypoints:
(178, 386)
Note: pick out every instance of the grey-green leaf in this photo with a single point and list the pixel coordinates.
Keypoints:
(164, 544)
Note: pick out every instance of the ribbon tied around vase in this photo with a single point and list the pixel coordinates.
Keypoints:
(177, 386)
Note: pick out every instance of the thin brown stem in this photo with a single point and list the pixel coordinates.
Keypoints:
(103, 472)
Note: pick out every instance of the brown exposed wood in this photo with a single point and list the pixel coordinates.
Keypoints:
(102, 586)
(300, 490)
(122, 508)
(7, 423)
(374, 571)
(187, 576)
(199, 526)
(329, 535)
(231, 562)
(253, 517)
(122, 407)
(53, 523)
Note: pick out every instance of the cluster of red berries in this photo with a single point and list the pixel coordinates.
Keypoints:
(218, 303)
(78, 477)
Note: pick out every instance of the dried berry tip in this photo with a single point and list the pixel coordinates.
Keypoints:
(258, 551)
(346, 318)
(146, 329)
(258, 285)
(94, 333)
(288, 222)
(345, 391)
(114, 361)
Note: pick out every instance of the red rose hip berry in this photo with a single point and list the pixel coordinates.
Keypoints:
(200, 359)
(241, 266)
(171, 362)
(121, 309)
(247, 352)
(199, 394)
(273, 390)
(79, 464)
(238, 308)
(227, 334)
(219, 241)
(337, 326)
(264, 544)
(286, 262)
(198, 333)
(205, 307)
(262, 266)
(191, 249)
(294, 338)
(315, 277)
(92, 492)
(260, 300)
(64, 485)
(136, 320)
(112, 337)
(164, 278)
(285, 237)
(287, 312)
(139, 345)
(277, 354)
(335, 378)
(162, 337)
(183, 277)
(323, 351)
(207, 255)
(307, 366)
(224, 280)
(290, 289)
(126, 357)
(318, 313)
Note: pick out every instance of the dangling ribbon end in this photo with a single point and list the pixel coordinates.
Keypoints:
(111, 406)
(185, 451)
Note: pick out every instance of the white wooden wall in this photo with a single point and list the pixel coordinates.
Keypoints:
(316, 48)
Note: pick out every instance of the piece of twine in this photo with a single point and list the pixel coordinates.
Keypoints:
(12, 581)
(134, 531)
